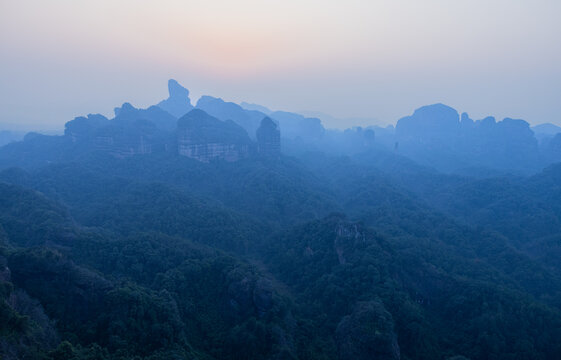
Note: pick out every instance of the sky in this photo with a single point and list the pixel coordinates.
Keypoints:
(376, 60)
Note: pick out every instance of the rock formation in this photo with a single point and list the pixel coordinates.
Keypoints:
(123, 139)
(268, 138)
(435, 135)
(178, 102)
(295, 126)
(256, 107)
(223, 110)
(83, 129)
(162, 119)
(430, 123)
(205, 138)
(132, 131)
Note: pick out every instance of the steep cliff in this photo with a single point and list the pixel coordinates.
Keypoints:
(268, 138)
(205, 138)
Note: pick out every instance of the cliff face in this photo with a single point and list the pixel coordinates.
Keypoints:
(132, 131)
(436, 135)
(268, 138)
(83, 129)
(205, 138)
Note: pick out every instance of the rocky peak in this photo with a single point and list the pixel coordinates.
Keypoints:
(428, 123)
(204, 138)
(268, 138)
(177, 91)
(178, 102)
(124, 109)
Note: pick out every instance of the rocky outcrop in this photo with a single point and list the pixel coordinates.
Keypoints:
(178, 102)
(83, 129)
(435, 135)
(348, 237)
(256, 107)
(206, 138)
(295, 126)
(161, 119)
(428, 124)
(123, 138)
(223, 110)
(367, 333)
(132, 131)
(268, 138)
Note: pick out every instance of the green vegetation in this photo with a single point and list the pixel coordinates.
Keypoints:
(162, 257)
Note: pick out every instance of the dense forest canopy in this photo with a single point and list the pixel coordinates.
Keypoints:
(216, 231)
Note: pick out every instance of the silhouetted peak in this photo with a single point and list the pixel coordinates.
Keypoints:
(178, 102)
(431, 121)
(465, 118)
(125, 108)
(196, 115)
(547, 128)
(268, 123)
(515, 122)
(256, 107)
(207, 99)
(268, 138)
(177, 91)
(439, 111)
(488, 121)
(203, 137)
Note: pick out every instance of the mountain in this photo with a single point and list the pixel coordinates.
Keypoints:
(178, 102)
(434, 135)
(150, 237)
(255, 107)
(205, 138)
(160, 118)
(546, 129)
(8, 136)
(433, 123)
(292, 125)
(268, 138)
(248, 119)
(297, 126)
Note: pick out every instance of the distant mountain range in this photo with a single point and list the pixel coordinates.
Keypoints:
(434, 135)
(218, 232)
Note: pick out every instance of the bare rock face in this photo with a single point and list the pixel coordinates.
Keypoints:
(348, 237)
(127, 138)
(268, 138)
(205, 138)
(132, 131)
(367, 333)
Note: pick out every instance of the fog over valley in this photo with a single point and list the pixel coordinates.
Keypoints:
(318, 180)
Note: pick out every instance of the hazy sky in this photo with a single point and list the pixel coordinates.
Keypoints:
(378, 59)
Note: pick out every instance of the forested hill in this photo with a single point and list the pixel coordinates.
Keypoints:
(161, 256)
(206, 232)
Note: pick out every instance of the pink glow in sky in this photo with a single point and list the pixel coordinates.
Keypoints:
(370, 59)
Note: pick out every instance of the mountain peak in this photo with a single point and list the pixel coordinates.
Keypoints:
(177, 91)
(125, 108)
(178, 102)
